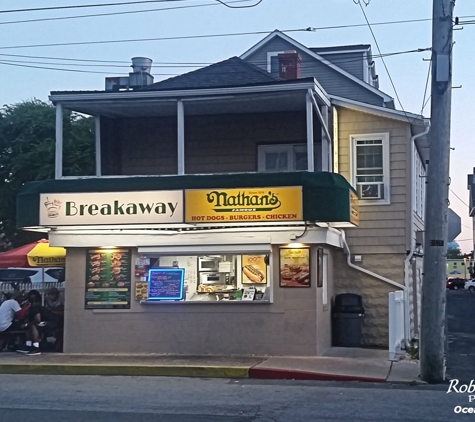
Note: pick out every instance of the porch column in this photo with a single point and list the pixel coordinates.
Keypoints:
(309, 109)
(326, 138)
(97, 136)
(181, 137)
(58, 160)
(326, 148)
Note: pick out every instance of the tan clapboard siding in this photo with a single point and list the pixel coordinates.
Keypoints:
(382, 227)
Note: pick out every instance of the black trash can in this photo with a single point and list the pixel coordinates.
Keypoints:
(348, 314)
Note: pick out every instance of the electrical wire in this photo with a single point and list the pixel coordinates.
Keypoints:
(73, 70)
(239, 7)
(84, 6)
(185, 37)
(424, 102)
(124, 64)
(116, 13)
(458, 197)
(88, 63)
(387, 70)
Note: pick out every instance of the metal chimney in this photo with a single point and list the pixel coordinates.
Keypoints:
(138, 78)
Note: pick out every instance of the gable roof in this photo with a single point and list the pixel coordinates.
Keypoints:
(230, 72)
(386, 98)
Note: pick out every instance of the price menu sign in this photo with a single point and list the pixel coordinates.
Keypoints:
(166, 284)
(108, 279)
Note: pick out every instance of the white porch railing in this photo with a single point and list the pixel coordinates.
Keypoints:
(396, 323)
(7, 287)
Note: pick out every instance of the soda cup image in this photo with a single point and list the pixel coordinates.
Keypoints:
(52, 207)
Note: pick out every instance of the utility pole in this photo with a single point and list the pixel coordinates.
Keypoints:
(433, 319)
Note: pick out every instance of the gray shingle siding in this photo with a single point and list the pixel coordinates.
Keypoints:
(351, 62)
(331, 80)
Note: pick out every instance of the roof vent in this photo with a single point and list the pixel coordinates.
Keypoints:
(138, 78)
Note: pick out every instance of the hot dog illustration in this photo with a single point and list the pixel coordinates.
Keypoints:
(253, 274)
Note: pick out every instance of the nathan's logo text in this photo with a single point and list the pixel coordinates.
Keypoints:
(243, 202)
(118, 208)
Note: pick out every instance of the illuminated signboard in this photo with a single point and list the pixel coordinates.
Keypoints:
(166, 284)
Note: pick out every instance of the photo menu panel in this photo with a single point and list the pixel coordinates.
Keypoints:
(108, 279)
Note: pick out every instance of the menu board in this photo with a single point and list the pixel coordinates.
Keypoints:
(108, 279)
(254, 269)
(166, 284)
(294, 267)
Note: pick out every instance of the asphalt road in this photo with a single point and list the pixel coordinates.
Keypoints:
(461, 337)
(38, 398)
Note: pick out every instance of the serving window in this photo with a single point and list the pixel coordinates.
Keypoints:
(207, 278)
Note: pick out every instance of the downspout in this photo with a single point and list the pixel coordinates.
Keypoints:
(379, 277)
(411, 222)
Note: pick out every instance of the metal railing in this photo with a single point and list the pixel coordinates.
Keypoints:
(396, 324)
(42, 287)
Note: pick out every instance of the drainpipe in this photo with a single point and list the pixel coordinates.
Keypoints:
(379, 277)
(411, 222)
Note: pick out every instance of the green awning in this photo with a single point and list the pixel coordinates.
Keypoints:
(326, 197)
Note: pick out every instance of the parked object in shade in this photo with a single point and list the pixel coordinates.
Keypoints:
(455, 283)
(348, 314)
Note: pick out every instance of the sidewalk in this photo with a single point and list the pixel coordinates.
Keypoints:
(339, 364)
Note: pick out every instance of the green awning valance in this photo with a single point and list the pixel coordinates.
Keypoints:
(326, 197)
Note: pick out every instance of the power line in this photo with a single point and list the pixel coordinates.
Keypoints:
(84, 6)
(387, 70)
(72, 70)
(239, 7)
(461, 200)
(32, 64)
(424, 102)
(185, 37)
(116, 13)
(116, 63)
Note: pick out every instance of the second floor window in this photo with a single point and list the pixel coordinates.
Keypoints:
(275, 158)
(371, 166)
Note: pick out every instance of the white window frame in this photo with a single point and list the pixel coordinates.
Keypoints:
(419, 186)
(384, 138)
(271, 54)
(288, 148)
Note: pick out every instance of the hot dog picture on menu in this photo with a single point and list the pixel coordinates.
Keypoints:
(254, 269)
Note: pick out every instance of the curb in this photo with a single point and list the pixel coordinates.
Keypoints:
(129, 370)
(269, 373)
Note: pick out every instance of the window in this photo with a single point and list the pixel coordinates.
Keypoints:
(370, 167)
(274, 158)
(420, 186)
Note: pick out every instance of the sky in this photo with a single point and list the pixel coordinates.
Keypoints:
(192, 21)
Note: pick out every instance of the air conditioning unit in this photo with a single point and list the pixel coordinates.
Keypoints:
(373, 190)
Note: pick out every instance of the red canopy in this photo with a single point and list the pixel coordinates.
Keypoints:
(36, 254)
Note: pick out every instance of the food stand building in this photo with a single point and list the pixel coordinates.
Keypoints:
(214, 223)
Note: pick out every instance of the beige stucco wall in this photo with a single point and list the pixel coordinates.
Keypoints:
(286, 327)
(373, 291)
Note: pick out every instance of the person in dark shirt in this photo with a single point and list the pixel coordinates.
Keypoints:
(39, 320)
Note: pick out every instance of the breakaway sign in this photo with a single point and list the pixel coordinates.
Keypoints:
(146, 207)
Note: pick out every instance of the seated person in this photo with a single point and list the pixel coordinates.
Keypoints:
(10, 315)
(54, 300)
(39, 321)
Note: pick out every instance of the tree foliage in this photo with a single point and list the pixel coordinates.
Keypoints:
(27, 153)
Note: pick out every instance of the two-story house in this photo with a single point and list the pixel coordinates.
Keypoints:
(232, 203)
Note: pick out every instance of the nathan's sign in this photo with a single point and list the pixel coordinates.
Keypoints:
(243, 205)
(146, 207)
